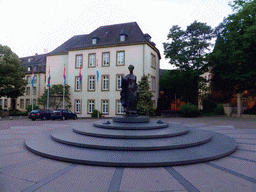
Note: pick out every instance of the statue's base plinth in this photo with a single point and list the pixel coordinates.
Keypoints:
(131, 119)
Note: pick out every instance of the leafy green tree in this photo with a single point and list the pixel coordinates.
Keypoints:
(145, 102)
(187, 49)
(56, 97)
(233, 57)
(29, 107)
(183, 84)
(12, 82)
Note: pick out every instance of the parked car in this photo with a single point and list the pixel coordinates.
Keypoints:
(40, 114)
(63, 114)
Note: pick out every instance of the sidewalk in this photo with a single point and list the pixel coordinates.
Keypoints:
(21, 170)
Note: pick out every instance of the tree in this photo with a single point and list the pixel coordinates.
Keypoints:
(12, 81)
(56, 97)
(187, 49)
(183, 84)
(145, 102)
(233, 57)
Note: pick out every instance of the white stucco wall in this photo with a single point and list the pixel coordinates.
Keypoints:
(133, 56)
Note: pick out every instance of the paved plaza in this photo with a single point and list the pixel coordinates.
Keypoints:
(21, 170)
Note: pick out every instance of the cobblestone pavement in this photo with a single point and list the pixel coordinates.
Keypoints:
(21, 170)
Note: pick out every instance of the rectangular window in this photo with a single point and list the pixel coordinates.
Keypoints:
(22, 103)
(153, 61)
(78, 106)
(34, 90)
(119, 82)
(1, 104)
(91, 81)
(104, 107)
(119, 108)
(29, 79)
(105, 82)
(78, 85)
(105, 59)
(28, 91)
(153, 83)
(90, 106)
(27, 102)
(5, 103)
(120, 58)
(92, 59)
(35, 79)
(34, 101)
(79, 61)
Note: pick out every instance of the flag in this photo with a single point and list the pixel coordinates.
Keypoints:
(97, 72)
(98, 75)
(33, 78)
(80, 76)
(49, 79)
(64, 75)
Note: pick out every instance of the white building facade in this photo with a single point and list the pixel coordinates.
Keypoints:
(102, 58)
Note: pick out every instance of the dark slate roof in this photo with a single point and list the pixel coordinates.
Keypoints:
(106, 36)
(36, 62)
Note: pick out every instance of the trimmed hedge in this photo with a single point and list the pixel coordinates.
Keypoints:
(94, 113)
(189, 110)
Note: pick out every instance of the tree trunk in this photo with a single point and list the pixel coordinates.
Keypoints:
(239, 104)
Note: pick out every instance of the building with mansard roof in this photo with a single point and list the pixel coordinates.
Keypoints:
(103, 57)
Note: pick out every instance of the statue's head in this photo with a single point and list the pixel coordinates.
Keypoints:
(131, 67)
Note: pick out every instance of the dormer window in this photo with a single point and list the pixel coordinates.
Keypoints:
(95, 40)
(122, 35)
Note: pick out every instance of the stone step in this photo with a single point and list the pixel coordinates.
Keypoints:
(219, 146)
(171, 131)
(192, 138)
(130, 126)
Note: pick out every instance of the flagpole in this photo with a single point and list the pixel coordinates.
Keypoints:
(97, 89)
(64, 88)
(48, 89)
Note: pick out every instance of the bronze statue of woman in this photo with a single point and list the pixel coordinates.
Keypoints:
(129, 93)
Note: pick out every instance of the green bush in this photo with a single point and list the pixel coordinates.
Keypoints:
(219, 110)
(95, 113)
(29, 107)
(189, 110)
(18, 113)
(208, 106)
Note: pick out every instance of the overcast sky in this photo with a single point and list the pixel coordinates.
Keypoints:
(33, 26)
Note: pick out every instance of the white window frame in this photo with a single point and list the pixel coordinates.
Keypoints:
(105, 107)
(119, 108)
(77, 85)
(119, 82)
(153, 83)
(79, 61)
(105, 59)
(78, 106)
(92, 59)
(153, 61)
(91, 106)
(27, 102)
(105, 83)
(91, 83)
(120, 58)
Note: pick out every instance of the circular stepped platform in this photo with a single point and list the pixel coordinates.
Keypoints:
(161, 146)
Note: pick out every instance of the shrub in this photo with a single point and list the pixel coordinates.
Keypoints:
(29, 107)
(219, 110)
(95, 113)
(208, 106)
(189, 110)
(18, 113)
